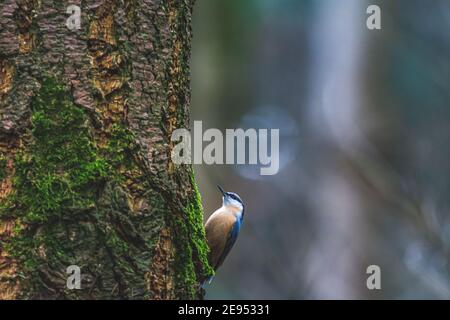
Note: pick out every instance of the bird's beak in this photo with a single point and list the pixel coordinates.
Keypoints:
(221, 190)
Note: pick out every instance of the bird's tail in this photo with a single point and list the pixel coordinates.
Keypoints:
(207, 280)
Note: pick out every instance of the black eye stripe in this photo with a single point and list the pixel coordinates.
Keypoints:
(234, 197)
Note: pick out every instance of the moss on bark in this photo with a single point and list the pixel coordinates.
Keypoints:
(192, 250)
(85, 153)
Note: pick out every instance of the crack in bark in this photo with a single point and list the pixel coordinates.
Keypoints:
(24, 19)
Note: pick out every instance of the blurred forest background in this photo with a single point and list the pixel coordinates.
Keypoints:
(364, 119)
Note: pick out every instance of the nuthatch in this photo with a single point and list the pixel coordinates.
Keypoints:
(222, 227)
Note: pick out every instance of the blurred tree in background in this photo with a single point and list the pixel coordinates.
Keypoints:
(363, 118)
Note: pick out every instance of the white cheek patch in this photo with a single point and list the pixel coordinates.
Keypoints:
(231, 202)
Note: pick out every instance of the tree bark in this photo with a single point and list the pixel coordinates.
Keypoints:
(86, 175)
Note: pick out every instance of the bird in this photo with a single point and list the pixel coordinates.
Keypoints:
(222, 228)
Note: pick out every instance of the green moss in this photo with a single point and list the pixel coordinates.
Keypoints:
(56, 178)
(195, 216)
(192, 254)
(61, 178)
(61, 168)
(70, 195)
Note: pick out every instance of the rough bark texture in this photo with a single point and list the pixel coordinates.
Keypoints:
(86, 176)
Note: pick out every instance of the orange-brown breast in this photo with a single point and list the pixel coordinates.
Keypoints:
(218, 228)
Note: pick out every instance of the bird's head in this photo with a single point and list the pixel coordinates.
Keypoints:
(232, 199)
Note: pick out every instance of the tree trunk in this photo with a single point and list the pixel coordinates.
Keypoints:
(86, 175)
